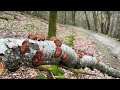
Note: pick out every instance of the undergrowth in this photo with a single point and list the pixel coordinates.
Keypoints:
(70, 40)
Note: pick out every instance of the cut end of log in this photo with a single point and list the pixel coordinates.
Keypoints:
(25, 43)
(58, 52)
(53, 38)
(24, 47)
(2, 67)
(37, 36)
(58, 43)
(40, 36)
(64, 56)
(31, 36)
(79, 53)
(38, 58)
(88, 53)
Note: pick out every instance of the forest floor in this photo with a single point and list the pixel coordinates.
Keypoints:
(16, 25)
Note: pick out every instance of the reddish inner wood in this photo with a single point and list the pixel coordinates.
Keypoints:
(31, 36)
(2, 67)
(58, 43)
(38, 58)
(24, 47)
(53, 38)
(64, 56)
(58, 52)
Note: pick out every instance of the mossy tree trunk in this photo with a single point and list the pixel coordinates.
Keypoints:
(52, 24)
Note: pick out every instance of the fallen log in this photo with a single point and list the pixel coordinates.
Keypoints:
(32, 53)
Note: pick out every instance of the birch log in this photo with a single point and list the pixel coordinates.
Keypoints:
(32, 53)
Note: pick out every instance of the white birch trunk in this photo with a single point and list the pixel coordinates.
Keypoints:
(10, 54)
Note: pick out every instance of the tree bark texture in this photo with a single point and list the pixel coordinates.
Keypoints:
(33, 53)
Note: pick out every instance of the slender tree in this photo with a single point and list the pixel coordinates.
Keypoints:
(73, 17)
(65, 17)
(101, 23)
(88, 24)
(108, 16)
(114, 24)
(95, 20)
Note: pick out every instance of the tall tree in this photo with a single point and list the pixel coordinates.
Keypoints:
(102, 23)
(88, 24)
(65, 17)
(105, 23)
(73, 17)
(117, 32)
(52, 24)
(111, 23)
(114, 24)
(108, 16)
(95, 20)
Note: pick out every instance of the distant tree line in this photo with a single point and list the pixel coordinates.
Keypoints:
(106, 22)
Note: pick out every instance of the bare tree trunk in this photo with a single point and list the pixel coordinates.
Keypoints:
(111, 25)
(73, 17)
(65, 18)
(88, 24)
(99, 16)
(32, 53)
(114, 24)
(102, 22)
(108, 21)
(95, 20)
(117, 32)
